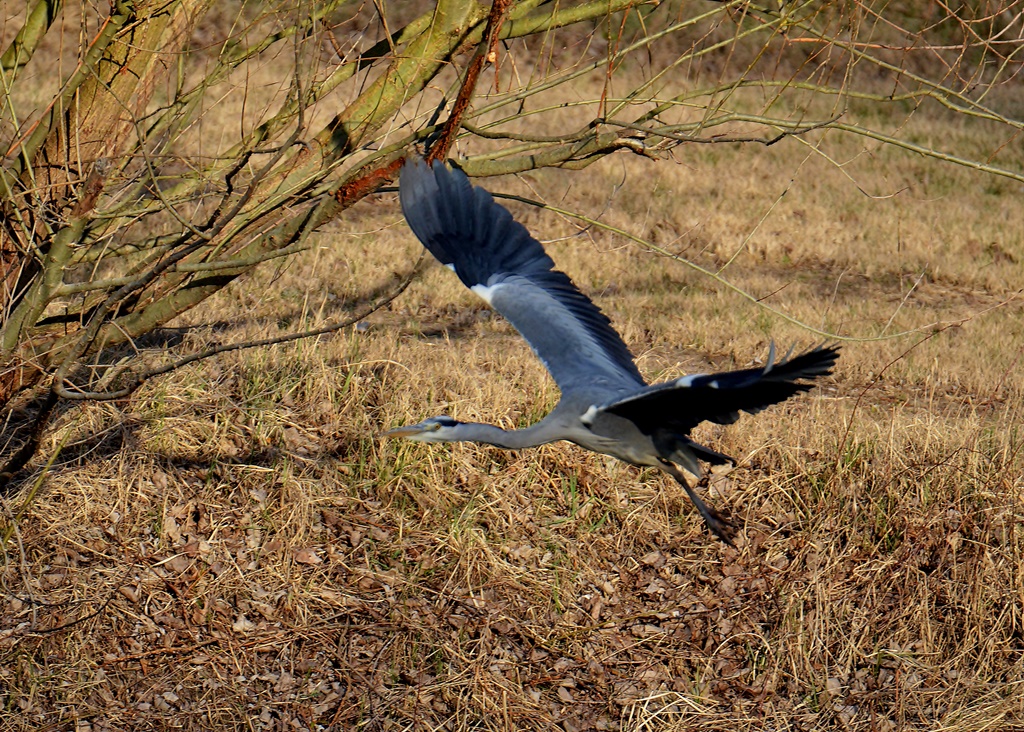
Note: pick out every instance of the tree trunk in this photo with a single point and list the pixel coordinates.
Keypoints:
(62, 159)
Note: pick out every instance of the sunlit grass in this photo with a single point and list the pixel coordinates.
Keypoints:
(242, 518)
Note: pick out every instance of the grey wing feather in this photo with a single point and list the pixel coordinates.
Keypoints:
(494, 255)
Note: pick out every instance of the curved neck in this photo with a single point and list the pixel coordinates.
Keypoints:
(532, 436)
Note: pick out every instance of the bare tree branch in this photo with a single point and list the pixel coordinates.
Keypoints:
(128, 200)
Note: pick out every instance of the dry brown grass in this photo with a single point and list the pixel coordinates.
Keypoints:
(236, 548)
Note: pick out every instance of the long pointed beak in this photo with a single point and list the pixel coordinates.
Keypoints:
(407, 431)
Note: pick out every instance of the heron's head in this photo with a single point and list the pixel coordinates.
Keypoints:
(434, 429)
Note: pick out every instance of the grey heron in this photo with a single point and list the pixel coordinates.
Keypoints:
(606, 405)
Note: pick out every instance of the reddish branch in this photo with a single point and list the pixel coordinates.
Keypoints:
(364, 184)
(444, 142)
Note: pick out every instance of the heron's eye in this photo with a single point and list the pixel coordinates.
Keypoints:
(435, 426)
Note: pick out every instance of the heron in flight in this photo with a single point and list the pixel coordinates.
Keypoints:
(606, 406)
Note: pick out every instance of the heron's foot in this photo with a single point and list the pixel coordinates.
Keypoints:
(720, 526)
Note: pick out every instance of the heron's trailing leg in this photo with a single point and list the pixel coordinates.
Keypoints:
(719, 525)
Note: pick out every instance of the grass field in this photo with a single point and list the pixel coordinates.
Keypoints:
(236, 548)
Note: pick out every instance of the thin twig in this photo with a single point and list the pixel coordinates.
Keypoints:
(141, 378)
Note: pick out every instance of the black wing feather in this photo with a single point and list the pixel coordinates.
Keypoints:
(681, 405)
(464, 228)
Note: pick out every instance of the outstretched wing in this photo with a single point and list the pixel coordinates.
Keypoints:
(497, 258)
(679, 406)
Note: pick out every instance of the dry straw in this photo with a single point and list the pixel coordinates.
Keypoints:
(236, 548)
